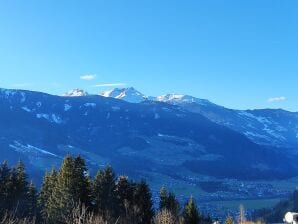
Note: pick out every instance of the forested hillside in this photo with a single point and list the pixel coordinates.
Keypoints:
(71, 195)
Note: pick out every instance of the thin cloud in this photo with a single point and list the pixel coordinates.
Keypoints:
(88, 77)
(109, 85)
(277, 99)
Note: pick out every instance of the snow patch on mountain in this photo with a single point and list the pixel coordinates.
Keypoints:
(270, 127)
(93, 105)
(26, 109)
(130, 95)
(53, 118)
(56, 119)
(23, 97)
(256, 135)
(17, 146)
(7, 92)
(178, 99)
(76, 93)
(67, 107)
(45, 116)
(133, 96)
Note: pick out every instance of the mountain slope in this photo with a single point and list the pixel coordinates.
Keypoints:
(135, 138)
(268, 127)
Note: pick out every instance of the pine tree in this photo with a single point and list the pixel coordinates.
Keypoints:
(82, 183)
(168, 202)
(5, 187)
(124, 194)
(64, 190)
(173, 204)
(15, 192)
(104, 187)
(163, 198)
(19, 189)
(31, 201)
(143, 202)
(63, 199)
(56, 196)
(20, 179)
(45, 199)
(191, 214)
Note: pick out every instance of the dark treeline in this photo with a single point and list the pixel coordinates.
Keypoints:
(277, 213)
(70, 195)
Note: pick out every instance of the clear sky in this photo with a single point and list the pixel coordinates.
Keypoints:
(235, 53)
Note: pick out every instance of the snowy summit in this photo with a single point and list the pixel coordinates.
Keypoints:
(128, 94)
(181, 99)
(76, 92)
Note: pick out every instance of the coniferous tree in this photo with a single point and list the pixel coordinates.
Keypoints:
(5, 187)
(46, 201)
(63, 191)
(104, 187)
(45, 192)
(163, 198)
(58, 201)
(31, 201)
(19, 188)
(173, 204)
(124, 194)
(143, 202)
(169, 202)
(82, 187)
(191, 213)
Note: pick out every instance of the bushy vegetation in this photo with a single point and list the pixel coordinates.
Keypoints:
(71, 196)
(277, 213)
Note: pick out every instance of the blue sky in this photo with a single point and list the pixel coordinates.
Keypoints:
(235, 53)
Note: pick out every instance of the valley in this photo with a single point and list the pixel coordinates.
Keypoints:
(159, 139)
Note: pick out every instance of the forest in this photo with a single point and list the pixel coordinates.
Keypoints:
(69, 195)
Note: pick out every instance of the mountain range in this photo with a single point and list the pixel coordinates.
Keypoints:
(274, 127)
(170, 139)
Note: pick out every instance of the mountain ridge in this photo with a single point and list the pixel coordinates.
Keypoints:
(275, 127)
(164, 143)
(112, 125)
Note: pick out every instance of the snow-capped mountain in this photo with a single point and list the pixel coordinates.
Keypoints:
(268, 127)
(76, 93)
(179, 99)
(151, 138)
(130, 95)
